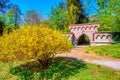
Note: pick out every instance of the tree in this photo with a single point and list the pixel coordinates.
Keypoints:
(3, 8)
(13, 18)
(66, 14)
(108, 15)
(38, 43)
(76, 13)
(17, 13)
(58, 17)
(32, 17)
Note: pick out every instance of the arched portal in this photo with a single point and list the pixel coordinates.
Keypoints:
(83, 40)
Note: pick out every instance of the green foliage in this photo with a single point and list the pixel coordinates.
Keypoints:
(116, 37)
(11, 19)
(14, 15)
(58, 17)
(108, 15)
(109, 50)
(61, 69)
(66, 14)
(33, 42)
(10, 25)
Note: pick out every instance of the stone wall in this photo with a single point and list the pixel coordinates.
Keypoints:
(90, 29)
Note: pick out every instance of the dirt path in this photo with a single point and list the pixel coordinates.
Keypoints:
(79, 54)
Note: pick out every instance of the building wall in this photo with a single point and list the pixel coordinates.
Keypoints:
(102, 38)
(90, 29)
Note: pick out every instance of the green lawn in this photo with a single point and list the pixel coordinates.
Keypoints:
(108, 50)
(61, 69)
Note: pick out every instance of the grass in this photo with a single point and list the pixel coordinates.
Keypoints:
(108, 50)
(61, 69)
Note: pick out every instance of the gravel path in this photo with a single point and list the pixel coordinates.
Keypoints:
(79, 54)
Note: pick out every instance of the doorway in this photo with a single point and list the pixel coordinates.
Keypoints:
(83, 40)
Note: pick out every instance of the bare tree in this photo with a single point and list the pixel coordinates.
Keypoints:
(32, 17)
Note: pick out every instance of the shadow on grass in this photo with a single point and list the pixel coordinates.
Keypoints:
(61, 68)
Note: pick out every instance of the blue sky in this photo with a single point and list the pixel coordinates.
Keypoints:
(42, 6)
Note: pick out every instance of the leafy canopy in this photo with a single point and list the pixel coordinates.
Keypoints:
(108, 15)
(71, 12)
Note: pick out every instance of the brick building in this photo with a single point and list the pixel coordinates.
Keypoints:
(80, 31)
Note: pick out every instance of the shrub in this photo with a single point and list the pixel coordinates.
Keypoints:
(36, 42)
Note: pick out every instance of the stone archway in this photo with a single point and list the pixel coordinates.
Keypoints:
(90, 29)
(83, 40)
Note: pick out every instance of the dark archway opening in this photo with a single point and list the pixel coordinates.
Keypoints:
(83, 40)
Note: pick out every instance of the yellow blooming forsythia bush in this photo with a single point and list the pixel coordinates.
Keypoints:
(36, 42)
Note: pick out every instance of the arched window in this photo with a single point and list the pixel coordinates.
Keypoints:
(82, 28)
(98, 37)
(108, 37)
(91, 27)
(87, 28)
(103, 37)
(74, 29)
(95, 27)
(78, 28)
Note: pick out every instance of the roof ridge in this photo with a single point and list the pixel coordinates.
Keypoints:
(84, 24)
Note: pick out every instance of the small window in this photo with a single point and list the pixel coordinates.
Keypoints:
(82, 28)
(103, 37)
(87, 28)
(74, 29)
(95, 27)
(98, 37)
(90, 27)
(108, 37)
(78, 28)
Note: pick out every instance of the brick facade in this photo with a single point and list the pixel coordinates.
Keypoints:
(90, 29)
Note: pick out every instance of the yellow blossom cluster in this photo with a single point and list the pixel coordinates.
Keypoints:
(32, 42)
